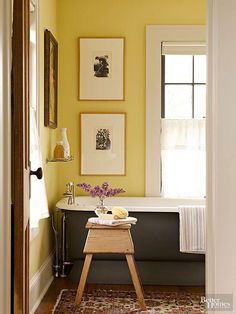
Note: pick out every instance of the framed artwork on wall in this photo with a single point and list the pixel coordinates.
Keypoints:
(50, 79)
(102, 145)
(101, 68)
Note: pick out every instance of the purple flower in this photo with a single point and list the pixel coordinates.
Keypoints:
(105, 185)
(102, 191)
(86, 187)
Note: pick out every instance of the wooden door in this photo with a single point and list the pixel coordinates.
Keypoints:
(20, 153)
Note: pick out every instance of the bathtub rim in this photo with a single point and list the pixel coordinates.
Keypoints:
(132, 204)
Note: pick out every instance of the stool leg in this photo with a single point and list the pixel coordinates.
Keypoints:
(136, 280)
(83, 278)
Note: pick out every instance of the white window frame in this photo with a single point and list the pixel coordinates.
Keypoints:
(155, 35)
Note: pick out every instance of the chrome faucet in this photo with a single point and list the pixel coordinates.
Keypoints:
(70, 193)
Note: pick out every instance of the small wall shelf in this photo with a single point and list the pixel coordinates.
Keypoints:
(61, 160)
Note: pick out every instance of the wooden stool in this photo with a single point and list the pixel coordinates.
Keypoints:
(105, 239)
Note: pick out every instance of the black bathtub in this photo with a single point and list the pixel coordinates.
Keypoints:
(156, 242)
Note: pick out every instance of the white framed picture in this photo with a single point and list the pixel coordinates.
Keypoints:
(101, 68)
(102, 146)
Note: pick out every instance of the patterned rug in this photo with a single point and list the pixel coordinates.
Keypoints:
(124, 302)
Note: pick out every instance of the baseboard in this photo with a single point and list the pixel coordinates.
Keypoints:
(40, 283)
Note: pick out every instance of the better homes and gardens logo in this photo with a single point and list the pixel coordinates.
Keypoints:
(218, 302)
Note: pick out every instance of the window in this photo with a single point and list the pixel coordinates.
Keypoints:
(183, 109)
(183, 86)
(34, 62)
(38, 200)
(175, 111)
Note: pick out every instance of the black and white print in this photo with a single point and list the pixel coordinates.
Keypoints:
(101, 66)
(103, 139)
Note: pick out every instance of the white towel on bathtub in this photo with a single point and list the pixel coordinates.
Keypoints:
(192, 229)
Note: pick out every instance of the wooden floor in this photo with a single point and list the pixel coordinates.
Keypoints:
(58, 284)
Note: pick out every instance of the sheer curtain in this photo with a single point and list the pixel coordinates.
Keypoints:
(38, 200)
(183, 158)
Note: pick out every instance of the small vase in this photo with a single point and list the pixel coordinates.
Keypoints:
(65, 142)
(101, 209)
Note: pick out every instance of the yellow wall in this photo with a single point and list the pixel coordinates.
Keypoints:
(42, 245)
(113, 18)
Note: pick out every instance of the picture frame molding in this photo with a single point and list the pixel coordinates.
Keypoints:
(125, 145)
(124, 53)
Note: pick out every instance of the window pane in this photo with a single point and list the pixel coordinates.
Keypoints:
(200, 69)
(178, 102)
(33, 62)
(199, 101)
(183, 158)
(178, 68)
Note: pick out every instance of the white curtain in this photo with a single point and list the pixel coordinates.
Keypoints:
(38, 200)
(183, 158)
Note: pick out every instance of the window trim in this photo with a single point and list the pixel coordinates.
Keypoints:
(155, 35)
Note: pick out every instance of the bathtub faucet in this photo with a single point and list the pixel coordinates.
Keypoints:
(70, 193)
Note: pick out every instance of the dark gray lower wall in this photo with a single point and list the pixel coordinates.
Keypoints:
(156, 241)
